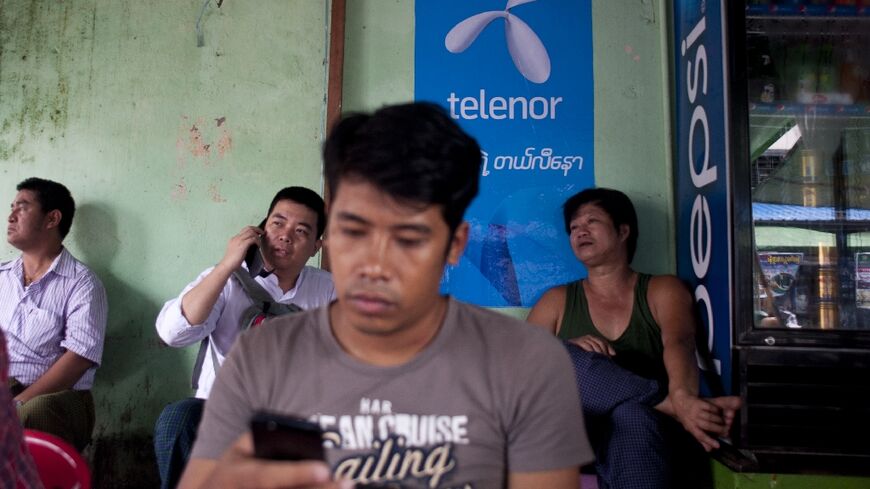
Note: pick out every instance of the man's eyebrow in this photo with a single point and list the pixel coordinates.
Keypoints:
(350, 216)
(414, 228)
(278, 215)
(405, 227)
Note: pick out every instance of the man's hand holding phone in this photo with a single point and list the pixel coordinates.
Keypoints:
(239, 468)
(280, 437)
(197, 303)
(238, 247)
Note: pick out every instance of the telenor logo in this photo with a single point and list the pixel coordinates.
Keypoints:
(526, 49)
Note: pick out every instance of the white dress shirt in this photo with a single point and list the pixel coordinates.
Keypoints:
(313, 289)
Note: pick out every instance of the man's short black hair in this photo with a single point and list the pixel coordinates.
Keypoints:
(616, 204)
(414, 152)
(52, 196)
(306, 197)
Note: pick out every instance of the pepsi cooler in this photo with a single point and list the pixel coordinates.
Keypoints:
(772, 186)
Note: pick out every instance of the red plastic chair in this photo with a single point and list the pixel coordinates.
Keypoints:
(58, 463)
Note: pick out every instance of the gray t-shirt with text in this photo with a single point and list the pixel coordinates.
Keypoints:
(489, 395)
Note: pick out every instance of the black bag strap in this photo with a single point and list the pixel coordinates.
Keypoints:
(263, 304)
(261, 299)
(252, 289)
(200, 359)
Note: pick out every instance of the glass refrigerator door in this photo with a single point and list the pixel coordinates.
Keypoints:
(808, 77)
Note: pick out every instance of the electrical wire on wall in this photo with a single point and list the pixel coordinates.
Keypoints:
(200, 38)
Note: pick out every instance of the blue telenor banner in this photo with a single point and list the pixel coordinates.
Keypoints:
(704, 244)
(517, 75)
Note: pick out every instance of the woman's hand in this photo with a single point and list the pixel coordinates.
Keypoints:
(594, 344)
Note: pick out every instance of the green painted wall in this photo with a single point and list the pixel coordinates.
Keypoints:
(378, 53)
(168, 148)
(632, 125)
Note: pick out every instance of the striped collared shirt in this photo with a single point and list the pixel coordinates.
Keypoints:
(65, 310)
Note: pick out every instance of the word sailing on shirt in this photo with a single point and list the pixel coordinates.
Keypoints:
(383, 446)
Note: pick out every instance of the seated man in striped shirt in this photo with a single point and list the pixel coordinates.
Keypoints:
(53, 313)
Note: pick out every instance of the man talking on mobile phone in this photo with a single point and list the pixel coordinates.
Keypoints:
(262, 264)
(412, 388)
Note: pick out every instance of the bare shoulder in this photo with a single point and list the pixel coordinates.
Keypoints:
(547, 312)
(668, 288)
(668, 296)
(554, 297)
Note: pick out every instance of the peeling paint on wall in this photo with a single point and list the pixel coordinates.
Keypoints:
(225, 142)
(179, 192)
(629, 50)
(215, 193)
(197, 139)
(197, 147)
(195, 142)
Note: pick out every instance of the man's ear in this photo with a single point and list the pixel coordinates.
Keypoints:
(457, 243)
(317, 244)
(52, 219)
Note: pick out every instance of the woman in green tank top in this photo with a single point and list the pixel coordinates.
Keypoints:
(644, 323)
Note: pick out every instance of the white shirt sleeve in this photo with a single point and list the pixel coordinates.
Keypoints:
(175, 330)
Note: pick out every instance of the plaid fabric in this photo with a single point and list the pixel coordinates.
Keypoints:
(624, 429)
(17, 469)
(174, 435)
(631, 448)
(68, 414)
(635, 446)
(605, 385)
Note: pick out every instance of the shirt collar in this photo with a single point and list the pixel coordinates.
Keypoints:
(63, 265)
(11, 264)
(272, 281)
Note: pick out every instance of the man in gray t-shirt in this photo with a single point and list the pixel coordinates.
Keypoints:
(463, 410)
(412, 388)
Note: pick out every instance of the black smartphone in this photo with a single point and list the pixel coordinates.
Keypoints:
(280, 437)
(254, 258)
